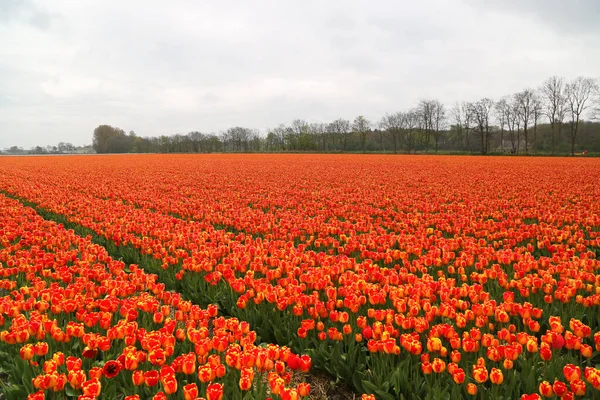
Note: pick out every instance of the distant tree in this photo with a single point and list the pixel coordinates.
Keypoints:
(578, 93)
(341, 129)
(118, 144)
(256, 141)
(239, 138)
(525, 100)
(107, 139)
(65, 147)
(140, 145)
(481, 111)
(298, 136)
(37, 150)
(362, 126)
(411, 126)
(461, 127)
(393, 124)
(424, 112)
(277, 137)
(319, 132)
(438, 119)
(195, 140)
(553, 92)
(510, 116)
(500, 113)
(301, 135)
(536, 113)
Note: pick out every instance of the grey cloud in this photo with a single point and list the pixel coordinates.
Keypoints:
(10, 9)
(24, 11)
(571, 17)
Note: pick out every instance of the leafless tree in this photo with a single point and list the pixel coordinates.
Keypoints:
(254, 140)
(279, 136)
(299, 135)
(439, 121)
(362, 126)
(536, 113)
(423, 113)
(240, 138)
(381, 131)
(393, 124)
(432, 115)
(468, 122)
(457, 129)
(195, 138)
(411, 124)
(299, 126)
(553, 92)
(510, 115)
(525, 100)
(319, 130)
(578, 93)
(502, 118)
(481, 111)
(341, 128)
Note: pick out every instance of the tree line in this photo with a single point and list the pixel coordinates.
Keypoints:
(548, 119)
(61, 148)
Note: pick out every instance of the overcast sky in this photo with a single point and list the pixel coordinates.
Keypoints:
(160, 67)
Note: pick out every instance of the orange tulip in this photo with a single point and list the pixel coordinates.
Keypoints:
(471, 389)
(496, 376)
(545, 389)
(214, 391)
(190, 391)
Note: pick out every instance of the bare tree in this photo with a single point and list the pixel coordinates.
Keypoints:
(468, 122)
(481, 112)
(501, 116)
(411, 122)
(362, 126)
(439, 121)
(578, 93)
(393, 124)
(257, 140)
(536, 113)
(516, 109)
(381, 133)
(239, 138)
(457, 125)
(341, 128)
(319, 130)
(195, 138)
(525, 100)
(279, 136)
(510, 113)
(425, 114)
(553, 91)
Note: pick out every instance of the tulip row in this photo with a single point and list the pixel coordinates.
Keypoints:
(75, 322)
(376, 280)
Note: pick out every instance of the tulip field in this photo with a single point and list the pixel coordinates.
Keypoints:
(238, 276)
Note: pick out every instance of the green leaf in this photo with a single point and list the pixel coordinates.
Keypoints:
(369, 386)
(15, 392)
(384, 395)
(357, 379)
(69, 391)
(280, 338)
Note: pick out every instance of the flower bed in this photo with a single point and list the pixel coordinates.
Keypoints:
(403, 276)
